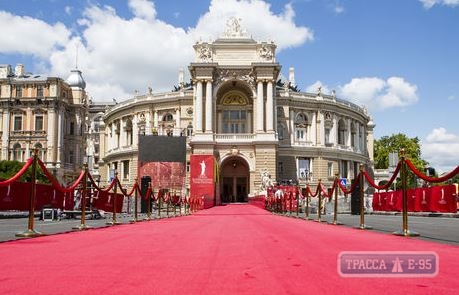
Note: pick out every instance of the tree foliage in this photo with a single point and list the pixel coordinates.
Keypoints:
(394, 144)
(9, 168)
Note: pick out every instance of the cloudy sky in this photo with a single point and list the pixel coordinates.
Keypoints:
(400, 59)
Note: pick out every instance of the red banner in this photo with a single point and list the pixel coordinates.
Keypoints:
(202, 178)
(16, 196)
(104, 201)
(167, 175)
(432, 199)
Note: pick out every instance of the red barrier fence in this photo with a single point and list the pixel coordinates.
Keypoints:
(431, 199)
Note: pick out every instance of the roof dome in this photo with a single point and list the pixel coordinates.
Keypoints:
(76, 79)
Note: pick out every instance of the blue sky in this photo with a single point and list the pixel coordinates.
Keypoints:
(397, 58)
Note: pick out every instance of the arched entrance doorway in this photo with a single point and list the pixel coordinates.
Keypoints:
(234, 180)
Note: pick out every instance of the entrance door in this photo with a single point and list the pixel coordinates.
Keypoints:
(235, 181)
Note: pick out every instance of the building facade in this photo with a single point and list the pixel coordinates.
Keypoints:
(259, 128)
(44, 113)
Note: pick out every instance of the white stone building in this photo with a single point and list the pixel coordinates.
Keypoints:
(46, 113)
(239, 110)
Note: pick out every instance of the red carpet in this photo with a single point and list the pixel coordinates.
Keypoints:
(234, 249)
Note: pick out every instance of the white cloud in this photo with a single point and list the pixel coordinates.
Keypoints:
(68, 10)
(281, 28)
(430, 3)
(339, 9)
(378, 94)
(314, 88)
(32, 36)
(441, 149)
(119, 55)
(143, 9)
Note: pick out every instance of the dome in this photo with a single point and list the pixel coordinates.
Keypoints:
(76, 79)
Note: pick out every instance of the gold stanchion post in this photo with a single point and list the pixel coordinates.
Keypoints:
(135, 203)
(297, 201)
(159, 203)
(362, 201)
(149, 204)
(114, 222)
(319, 204)
(83, 225)
(405, 231)
(306, 216)
(31, 232)
(335, 209)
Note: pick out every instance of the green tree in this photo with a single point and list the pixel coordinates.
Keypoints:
(394, 144)
(9, 168)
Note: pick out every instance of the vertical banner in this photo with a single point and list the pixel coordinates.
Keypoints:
(203, 178)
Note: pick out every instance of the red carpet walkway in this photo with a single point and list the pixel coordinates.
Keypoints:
(234, 249)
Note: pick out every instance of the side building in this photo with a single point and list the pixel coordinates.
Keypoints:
(256, 124)
(44, 113)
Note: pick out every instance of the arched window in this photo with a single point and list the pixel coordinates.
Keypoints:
(129, 132)
(168, 117)
(280, 131)
(17, 152)
(341, 132)
(353, 134)
(301, 124)
(235, 115)
(41, 151)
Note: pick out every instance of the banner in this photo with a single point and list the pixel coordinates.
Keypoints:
(430, 199)
(16, 196)
(104, 201)
(202, 179)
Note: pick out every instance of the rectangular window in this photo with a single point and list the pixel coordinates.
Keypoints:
(327, 136)
(72, 128)
(280, 168)
(40, 91)
(17, 123)
(304, 168)
(330, 169)
(126, 169)
(71, 158)
(343, 169)
(300, 134)
(38, 122)
(18, 91)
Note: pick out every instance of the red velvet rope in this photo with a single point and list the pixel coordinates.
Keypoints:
(18, 174)
(132, 190)
(388, 184)
(431, 179)
(353, 186)
(56, 184)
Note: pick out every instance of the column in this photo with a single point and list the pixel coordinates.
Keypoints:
(269, 107)
(348, 133)
(249, 123)
(260, 108)
(292, 126)
(148, 123)
(220, 122)
(155, 119)
(178, 121)
(313, 128)
(199, 107)
(209, 107)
